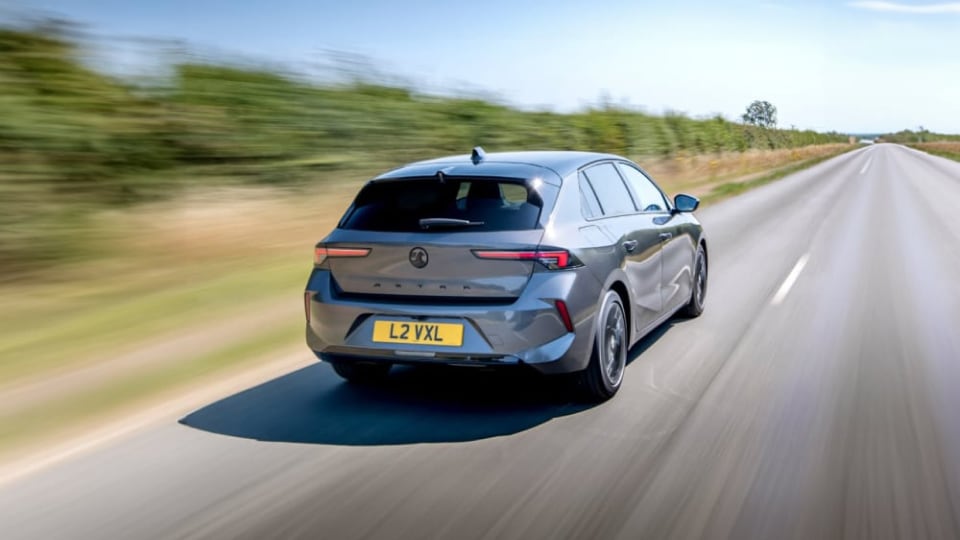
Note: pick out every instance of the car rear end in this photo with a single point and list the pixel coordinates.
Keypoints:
(450, 268)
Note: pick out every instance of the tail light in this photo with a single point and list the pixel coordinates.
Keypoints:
(553, 259)
(322, 253)
(564, 314)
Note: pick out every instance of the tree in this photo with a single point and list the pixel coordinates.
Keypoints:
(761, 113)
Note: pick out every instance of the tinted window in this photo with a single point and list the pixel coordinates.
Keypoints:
(399, 205)
(612, 193)
(651, 200)
(514, 193)
(589, 206)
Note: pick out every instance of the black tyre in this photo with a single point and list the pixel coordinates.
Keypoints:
(360, 372)
(602, 378)
(698, 293)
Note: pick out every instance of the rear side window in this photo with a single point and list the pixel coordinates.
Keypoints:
(589, 206)
(610, 190)
(489, 204)
(651, 200)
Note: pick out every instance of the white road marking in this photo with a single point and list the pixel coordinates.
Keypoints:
(867, 164)
(169, 411)
(784, 289)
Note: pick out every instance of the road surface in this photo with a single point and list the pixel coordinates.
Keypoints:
(818, 397)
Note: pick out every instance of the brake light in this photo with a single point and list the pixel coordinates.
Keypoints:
(554, 259)
(322, 253)
(564, 315)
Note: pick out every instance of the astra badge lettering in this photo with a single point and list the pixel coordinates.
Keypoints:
(418, 257)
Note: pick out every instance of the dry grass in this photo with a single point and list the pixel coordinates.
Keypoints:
(947, 149)
(699, 174)
(233, 222)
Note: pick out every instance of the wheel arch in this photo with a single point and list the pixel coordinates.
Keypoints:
(620, 288)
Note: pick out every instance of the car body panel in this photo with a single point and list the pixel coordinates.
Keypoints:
(679, 257)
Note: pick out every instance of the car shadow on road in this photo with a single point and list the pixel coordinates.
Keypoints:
(413, 405)
(648, 340)
(431, 404)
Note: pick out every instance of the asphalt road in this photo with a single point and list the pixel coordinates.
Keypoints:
(818, 397)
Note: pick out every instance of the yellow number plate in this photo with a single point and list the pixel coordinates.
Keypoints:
(444, 334)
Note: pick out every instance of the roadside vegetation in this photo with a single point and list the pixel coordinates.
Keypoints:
(920, 136)
(74, 141)
(947, 149)
(938, 144)
(144, 225)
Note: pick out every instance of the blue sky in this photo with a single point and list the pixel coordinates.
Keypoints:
(859, 66)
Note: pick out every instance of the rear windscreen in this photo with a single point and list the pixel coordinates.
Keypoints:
(484, 204)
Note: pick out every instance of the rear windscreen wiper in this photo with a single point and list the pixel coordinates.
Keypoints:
(427, 223)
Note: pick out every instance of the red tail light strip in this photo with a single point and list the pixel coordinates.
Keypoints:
(553, 259)
(321, 253)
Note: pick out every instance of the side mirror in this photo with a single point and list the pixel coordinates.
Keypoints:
(685, 203)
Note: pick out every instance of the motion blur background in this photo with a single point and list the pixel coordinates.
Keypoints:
(166, 167)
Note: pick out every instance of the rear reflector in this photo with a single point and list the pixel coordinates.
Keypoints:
(564, 315)
(554, 259)
(322, 253)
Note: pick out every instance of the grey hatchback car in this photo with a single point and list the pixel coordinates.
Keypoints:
(556, 260)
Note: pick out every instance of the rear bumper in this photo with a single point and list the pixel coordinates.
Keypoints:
(526, 331)
(545, 357)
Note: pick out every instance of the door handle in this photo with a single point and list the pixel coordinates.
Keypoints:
(664, 236)
(630, 245)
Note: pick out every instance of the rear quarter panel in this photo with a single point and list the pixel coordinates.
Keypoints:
(592, 243)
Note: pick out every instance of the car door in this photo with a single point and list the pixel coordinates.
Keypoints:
(636, 241)
(676, 244)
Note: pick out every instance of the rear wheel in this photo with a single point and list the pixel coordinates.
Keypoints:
(360, 372)
(602, 378)
(699, 290)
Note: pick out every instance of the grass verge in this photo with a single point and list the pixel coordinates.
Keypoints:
(105, 400)
(730, 189)
(60, 325)
(944, 149)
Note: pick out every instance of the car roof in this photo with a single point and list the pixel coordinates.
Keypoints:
(502, 164)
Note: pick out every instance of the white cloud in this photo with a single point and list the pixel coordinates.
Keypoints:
(945, 7)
